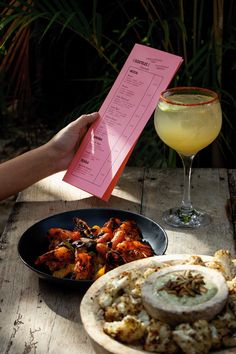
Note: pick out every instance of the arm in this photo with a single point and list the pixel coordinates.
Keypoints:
(54, 156)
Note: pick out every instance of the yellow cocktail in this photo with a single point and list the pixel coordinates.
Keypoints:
(187, 119)
(188, 129)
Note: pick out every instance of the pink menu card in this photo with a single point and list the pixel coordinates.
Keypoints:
(127, 108)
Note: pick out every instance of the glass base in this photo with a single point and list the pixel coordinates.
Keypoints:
(178, 217)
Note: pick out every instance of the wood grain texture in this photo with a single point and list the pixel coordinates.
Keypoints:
(232, 200)
(54, 188)
(163, 189)
(36, 318)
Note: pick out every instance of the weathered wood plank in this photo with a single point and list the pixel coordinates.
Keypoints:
(38, 318)
(35, 317)
(53, 188)
(163, 190)
(232, 192)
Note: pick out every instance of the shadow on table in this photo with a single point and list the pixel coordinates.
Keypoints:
(64, 301)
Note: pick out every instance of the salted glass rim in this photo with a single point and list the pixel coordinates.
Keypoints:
(213, 94)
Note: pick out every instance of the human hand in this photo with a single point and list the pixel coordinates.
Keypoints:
(65, 143)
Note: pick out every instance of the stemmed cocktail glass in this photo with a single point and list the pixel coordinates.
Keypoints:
(187, 119)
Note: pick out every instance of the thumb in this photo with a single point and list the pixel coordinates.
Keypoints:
(82, 124)
(85, 120)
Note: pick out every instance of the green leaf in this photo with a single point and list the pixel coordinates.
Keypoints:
(51, 23)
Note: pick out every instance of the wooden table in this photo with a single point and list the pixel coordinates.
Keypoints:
(38, 318)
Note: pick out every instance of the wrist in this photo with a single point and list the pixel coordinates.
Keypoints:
(48, 155)
(56, 159)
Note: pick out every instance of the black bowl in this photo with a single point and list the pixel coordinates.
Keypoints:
(34, 240)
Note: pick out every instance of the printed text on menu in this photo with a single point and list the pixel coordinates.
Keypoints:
(124, 114)
(120, 121)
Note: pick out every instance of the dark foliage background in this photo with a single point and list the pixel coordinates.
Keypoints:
(60, 58)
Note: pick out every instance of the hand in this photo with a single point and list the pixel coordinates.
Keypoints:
(65, 143)
(45, 160)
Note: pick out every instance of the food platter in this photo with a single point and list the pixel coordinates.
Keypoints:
(91, 312)
(34, 240)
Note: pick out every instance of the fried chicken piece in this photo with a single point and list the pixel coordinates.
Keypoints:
(132, 230)
(193, 339)
(59, 254)
(112, 223)
(83, 266)
(128, 330)
(127, 231)
(56, 235)
(105, 235)
(56, 259)
(133, 250)
(107, 230)
(127, 251)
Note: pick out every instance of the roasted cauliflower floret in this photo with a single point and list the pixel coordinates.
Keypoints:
(195, 260)
(224, 258)
(225, 325)
(129, 330)
(136, 280)
(217, 266)
(136, 287)
(143, 317)
(111, 314)
(122, 306)
(193, 339)
(159, 338)
(232, 285)
(231, 305)
(112, 290)
(215, 337)
(126, 319)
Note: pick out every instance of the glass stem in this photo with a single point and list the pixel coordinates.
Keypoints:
(187, 161)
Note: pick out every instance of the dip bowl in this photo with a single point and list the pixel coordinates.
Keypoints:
(91, 313)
